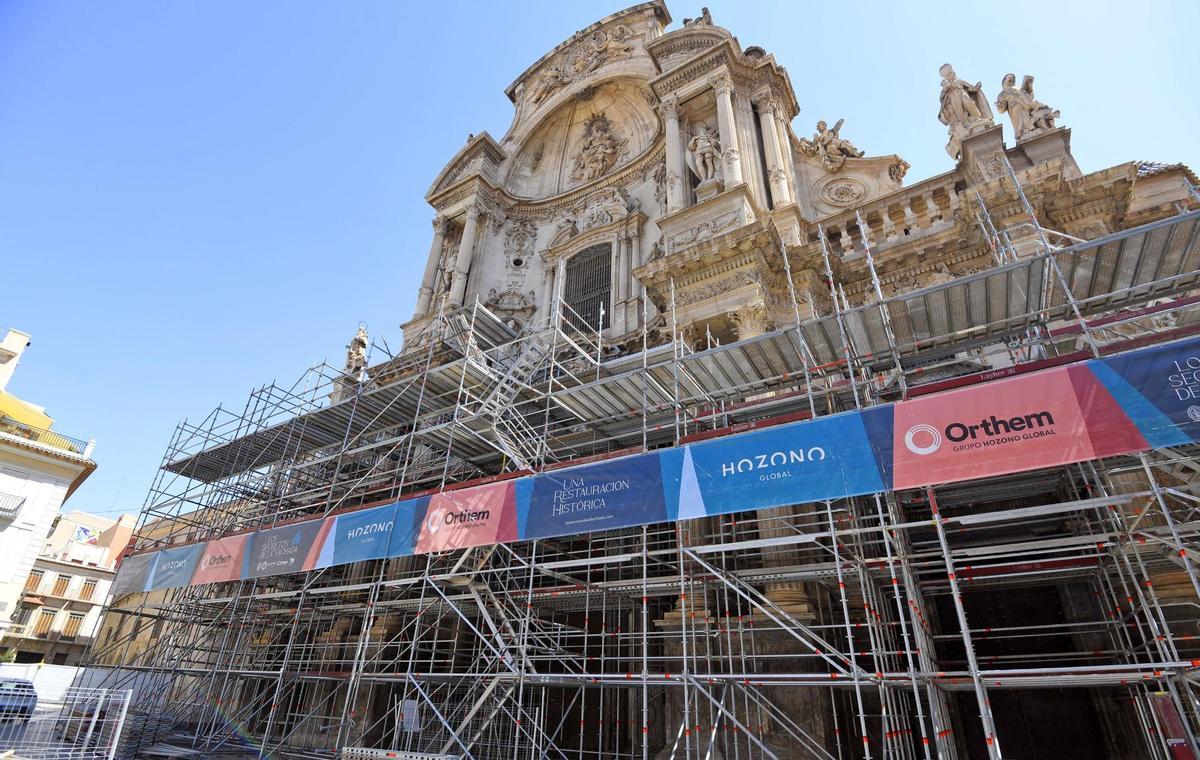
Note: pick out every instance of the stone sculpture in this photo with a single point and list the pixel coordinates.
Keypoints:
(828, 145)
(704, 152)
(598, 151)
(964, 109)
(356, 352)
(1028, 114)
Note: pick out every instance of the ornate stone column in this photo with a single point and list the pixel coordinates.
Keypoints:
(547, 287)
(751, 321)
(785, 152)
(670, 113)
(466, 253)
(425, 295)
(620, 256)
(723, 87)
(776, 174)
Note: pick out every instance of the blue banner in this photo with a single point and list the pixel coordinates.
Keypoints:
(358, 536)
(1158, 390)
(288, 549)
(826, 458)
(405, 526)
(175, 567)
(613, 494)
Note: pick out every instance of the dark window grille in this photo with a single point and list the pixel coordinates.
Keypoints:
(587, 287)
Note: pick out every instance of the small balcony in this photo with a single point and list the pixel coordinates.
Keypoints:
(45, 437)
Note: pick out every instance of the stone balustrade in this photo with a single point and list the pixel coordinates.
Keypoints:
(908, 214)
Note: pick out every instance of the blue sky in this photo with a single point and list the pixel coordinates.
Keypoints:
(197, 198)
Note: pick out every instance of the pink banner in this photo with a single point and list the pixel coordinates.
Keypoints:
(1025, 423)
(222, 560)
(470, 517)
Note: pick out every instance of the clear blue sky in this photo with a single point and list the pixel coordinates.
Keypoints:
(200, 197)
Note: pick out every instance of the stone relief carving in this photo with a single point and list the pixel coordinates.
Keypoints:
(565, 229)
(512, 306)
(580, 60)
(660, 187)
(704, 152)
(844, 192)
(897, 171)
(828, 145)
(599, 150)
(964, 109)
(518, 244)
(1029, 115)
(714, 287)
(705, 230)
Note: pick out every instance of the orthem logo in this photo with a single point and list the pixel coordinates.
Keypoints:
(923, 439)
(441, 517)
(990, 431)
(1194, 413)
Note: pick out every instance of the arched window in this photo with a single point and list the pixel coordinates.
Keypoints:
(588, 284)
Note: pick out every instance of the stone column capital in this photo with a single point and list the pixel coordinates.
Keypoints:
(767, 102)
(722, 83)
(750, 321)
(669, 107)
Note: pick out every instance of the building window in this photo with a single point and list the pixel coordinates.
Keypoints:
(34, 580)
(60, 585)
(45, 622)
(587, 287)
(74, 623)
(88, 590)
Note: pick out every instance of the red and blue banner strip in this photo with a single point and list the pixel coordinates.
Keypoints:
(1132, 402)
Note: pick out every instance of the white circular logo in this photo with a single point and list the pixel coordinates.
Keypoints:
(1194, 413)
(434, 523)
(924, 431)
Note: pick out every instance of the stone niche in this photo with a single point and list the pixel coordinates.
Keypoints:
(586, 138)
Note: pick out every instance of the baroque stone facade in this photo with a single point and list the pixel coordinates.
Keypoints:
(647, 140)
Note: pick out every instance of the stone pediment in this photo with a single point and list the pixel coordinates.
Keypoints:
(681, 45)
(481, 156)
(616, 42)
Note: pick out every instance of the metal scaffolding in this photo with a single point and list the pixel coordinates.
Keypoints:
(670, 640)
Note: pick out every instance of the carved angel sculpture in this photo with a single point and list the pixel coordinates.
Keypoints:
(830, 146)
(704, 152)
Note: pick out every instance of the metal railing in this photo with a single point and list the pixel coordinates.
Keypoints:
(43, 436)
(78, 724)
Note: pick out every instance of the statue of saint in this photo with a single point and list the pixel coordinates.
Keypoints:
(830, 146)
(704, 152)
(1028, 114)
(356, 352)
(964, 109)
